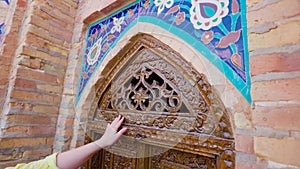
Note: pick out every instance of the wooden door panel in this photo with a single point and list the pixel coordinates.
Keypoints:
(123, 162)
(175, 159)
(168, 159)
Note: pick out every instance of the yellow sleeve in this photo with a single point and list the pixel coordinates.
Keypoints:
(48, 163)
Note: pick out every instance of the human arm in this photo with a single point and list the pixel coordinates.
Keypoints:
(74, 158)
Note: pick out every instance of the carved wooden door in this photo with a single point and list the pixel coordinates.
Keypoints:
(174, 118)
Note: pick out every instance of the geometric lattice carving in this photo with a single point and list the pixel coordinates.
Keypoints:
(147, 91)
(148, 83)
(164, 101)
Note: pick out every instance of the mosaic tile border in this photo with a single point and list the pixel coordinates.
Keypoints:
(215, 28)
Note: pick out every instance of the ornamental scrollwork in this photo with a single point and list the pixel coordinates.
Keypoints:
(146, 90)
(164, 99)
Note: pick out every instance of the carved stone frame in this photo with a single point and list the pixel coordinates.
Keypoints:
(219, 143)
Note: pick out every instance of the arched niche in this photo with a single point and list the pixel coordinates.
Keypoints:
(171, 111)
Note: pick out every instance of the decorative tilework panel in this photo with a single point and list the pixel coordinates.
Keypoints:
(2, 28)
(6, 1)
(215, 28)
(2, 24)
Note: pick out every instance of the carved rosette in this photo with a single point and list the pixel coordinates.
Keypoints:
(149, 83)
(164, 101)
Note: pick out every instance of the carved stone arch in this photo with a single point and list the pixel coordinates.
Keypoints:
(167, 104)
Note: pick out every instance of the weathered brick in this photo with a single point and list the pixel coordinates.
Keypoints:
(47, 16)
(39, 75)
(31, 154)
(33, 96)
(21, 3)
(2, 91)
(57, 89)
(244, 143)
(43, 45)
(57, 100)
(16, 129)
(21, 142)
(10, 157)
(66, 132)
(45, 35)
(275, 62)
(251, 3)
(71, 3)
(68, 99)
(66, 111)
(267, 14)
(20, 105)
(56, 14)
(3, 80)
(50, 141)
(295, 134)
(59, 70)
(34, 40)
(41, 130)
(4, 74)
(281, 117)
(284, 34)
(23, 83)
(275, 90)
(241, 120)
(5, 60)
(35, 63)
(44, 56)
(279, 150)
(65, 121)
(250, 165)
(39, 22)
(262, 131)
(239, 165)
(58, 49)
(10, 47)
(45, 109)
(30, 119)
(20, 130)
(63, 7)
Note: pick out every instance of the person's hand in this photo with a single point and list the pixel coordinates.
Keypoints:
(111, 134)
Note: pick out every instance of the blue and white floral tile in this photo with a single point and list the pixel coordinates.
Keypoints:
(2, 22)
(216, 28)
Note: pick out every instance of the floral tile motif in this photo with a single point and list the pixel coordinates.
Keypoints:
(6, 1)
(2, 29)
(2, 25)
(216, 28)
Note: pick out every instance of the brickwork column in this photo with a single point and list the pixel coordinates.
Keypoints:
(38, 46)
(71, 121)
(274, 46)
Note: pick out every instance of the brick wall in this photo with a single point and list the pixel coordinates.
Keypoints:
(4, 8)
(71, 123)
(41, 58)
(3, 11)
(33, 66)
(274, 46)
(260, 133)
